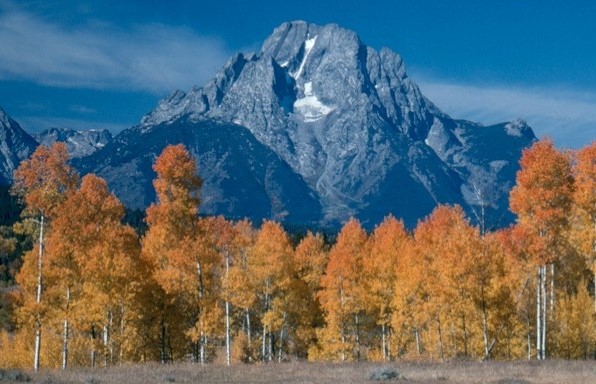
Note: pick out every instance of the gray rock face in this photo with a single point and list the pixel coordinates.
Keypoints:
(352, 126)
(80, 143)
(242, 177)
(15, 146)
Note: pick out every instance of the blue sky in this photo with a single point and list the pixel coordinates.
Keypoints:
(95, 63)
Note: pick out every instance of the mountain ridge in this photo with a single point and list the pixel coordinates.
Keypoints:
(330, 129)
(79, 143)
(349, 120)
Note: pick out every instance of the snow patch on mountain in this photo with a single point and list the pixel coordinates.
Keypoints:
(308, 46)
(309, 106)
(517, 128)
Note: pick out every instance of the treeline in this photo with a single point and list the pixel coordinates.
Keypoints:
(93, 292)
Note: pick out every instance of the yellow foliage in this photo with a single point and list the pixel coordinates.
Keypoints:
(574, 333)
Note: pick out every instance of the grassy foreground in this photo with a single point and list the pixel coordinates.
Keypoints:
(576, 372)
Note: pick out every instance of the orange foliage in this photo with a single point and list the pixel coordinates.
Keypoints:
(44, 180)
(542, 196)
(342, 295)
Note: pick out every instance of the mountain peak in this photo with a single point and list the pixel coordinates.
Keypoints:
(348, 121)
(291, 42)
(519, 128)
(4, 119)
(80, 143)
(15, 146)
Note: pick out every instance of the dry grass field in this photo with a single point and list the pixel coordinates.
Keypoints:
(573, 372)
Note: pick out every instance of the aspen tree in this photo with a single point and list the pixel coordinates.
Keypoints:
(271, 265)
(447, 244)
(342, 295)
(542, 200)
(585, 203)
(221, 233)
(310, 260)
(386, 245)
(43, 183)
(107, 254)
(170, 242)
(407, 318)
(239, 286)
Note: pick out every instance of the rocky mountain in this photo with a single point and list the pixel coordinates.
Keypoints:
(80, 143)
(15, 146)
(242, 177)
(324, 127)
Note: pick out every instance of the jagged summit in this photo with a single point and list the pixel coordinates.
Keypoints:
(299, 61)
(15, 146)
(351, 124)
(80, 143)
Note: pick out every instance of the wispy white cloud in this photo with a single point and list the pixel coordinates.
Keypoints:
(568, 116)
(81, 109)
(151, 57)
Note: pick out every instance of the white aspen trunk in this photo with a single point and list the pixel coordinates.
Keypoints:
(106, 340)
(65, 346)
(264, 349)
(202, 342)
(357, 321)
(484, 325)
(343, 343)
(418, 342)
(200, 282)
(122, 321)
(228, 354)
(37, 353)
(544, 317)
(383, 342)
(271, 351)
(539, 316)
(485, 336)
(388, 343)
(92, 357)
(37, 344)
(281, 340)
(248, 333)
(110, 341)
(264, 346)
(65, 335)
(552, 291)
